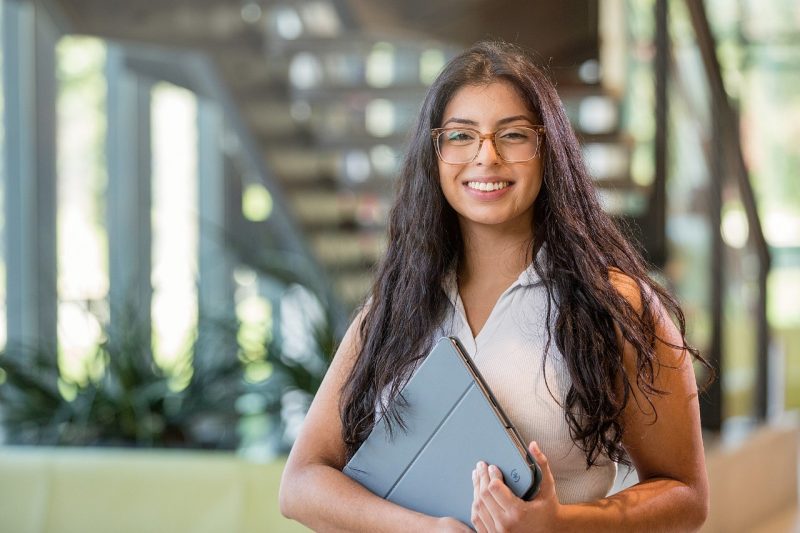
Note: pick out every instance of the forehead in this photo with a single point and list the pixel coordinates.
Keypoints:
(485, 104)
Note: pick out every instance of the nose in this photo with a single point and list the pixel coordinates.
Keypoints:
(487, 153)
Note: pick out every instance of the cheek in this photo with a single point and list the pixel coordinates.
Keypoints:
(444, 171)
(447, 179)
(535, 177)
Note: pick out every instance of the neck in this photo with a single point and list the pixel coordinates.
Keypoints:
(494, 252)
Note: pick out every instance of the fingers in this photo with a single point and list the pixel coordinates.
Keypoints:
(500, 493)
(485, 506)
(492, 477)
(483, 509)
(548, 482)
(495, 473)
(475, 515)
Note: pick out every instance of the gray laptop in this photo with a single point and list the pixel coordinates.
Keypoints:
(453, 421)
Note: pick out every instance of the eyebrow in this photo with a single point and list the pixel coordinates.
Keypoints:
(499, 122)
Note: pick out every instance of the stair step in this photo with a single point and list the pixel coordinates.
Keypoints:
(622, 183)
(412, 92)
(252, 72)
(592, 113)
(303, 168)
(607, 160)
(343, 248)
(628, 202)
(271, 117)
(364, 142)
(299, 164)
(381, 187)
(614, 137)
(275, 119)
(356, 43)
(182, 24)
(320, 210)
(353, 287)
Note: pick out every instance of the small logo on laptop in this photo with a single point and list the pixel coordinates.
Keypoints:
(514, 475)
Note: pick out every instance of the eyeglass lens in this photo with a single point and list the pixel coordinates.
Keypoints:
(461, 145)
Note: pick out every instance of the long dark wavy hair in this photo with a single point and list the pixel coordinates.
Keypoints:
(407, 302)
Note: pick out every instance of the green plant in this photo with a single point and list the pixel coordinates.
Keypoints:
(128, 400)
(295, 377)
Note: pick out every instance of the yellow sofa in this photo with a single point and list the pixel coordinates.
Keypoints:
(45, 490)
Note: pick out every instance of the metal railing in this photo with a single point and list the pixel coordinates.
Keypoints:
(727, 154)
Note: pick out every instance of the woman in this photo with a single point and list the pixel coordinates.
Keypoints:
(497, 237)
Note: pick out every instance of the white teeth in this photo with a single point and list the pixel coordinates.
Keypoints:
(482, 186)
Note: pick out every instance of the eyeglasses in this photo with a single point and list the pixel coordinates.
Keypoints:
(515, 144)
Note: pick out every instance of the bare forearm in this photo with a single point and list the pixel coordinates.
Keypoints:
(656, 505)
(324, 499)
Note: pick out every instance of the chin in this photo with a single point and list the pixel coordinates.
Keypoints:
(495, 217)
(484, 219)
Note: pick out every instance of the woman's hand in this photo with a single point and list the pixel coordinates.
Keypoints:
(496, 509)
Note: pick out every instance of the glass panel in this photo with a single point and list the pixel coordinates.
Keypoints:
(3, 325)
(637, 117)
(739, 309)
(174, 219)
(759, 52)
(771, 120)
(82, 239)
(784, 319)
(689, 235)
(260, 411)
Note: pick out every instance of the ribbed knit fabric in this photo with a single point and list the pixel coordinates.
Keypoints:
(508, 352)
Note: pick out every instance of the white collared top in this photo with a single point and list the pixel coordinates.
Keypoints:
(508, 352)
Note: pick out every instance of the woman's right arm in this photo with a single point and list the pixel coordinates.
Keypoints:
(315, 492)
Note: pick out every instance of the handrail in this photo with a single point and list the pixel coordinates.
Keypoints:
(729, 132)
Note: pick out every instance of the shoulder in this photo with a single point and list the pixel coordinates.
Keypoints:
(644, 299)
(629, 288)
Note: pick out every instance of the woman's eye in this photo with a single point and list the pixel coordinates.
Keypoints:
(460, 136)
(515, 135)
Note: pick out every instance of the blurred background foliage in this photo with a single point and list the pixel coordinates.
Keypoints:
(239, 395)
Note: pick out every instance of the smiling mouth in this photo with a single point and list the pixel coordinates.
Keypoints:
(488, 187)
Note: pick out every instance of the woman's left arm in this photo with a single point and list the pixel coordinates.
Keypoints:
(667, 451)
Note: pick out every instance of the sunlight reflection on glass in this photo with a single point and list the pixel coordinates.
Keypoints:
(174, 219)
(82, 240)
(3, 332)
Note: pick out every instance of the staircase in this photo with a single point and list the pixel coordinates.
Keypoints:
(331, 104)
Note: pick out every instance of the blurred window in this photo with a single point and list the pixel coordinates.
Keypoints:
(82, 239)
(174, 223)
(3, 325)
(759, 52)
